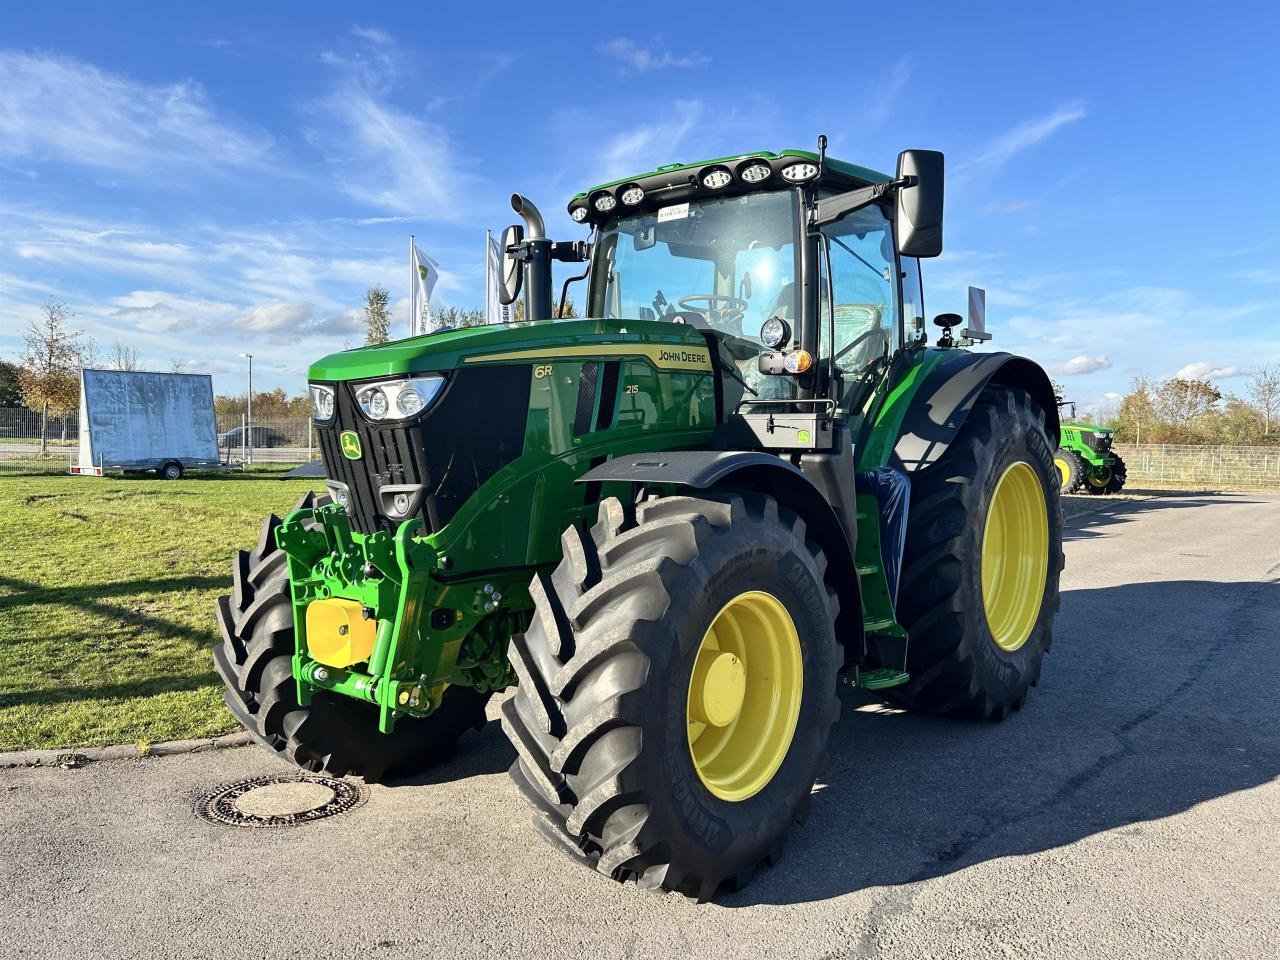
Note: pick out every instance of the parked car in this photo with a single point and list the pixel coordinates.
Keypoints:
(260, 437)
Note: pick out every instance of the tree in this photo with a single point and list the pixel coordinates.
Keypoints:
(1264, 390)
(377, 315)
(124, 357)
(49, 373)
(1136, 415)
(10, 391)
(456, 317)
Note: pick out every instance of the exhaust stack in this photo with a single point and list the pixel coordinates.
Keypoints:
(537, 291)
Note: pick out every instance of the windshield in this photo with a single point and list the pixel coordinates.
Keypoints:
(728, 264)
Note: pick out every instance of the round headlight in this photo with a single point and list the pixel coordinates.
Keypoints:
(717, 179)
(605, 202)
(373, 402)
(775, 332)
(409, 401)
(322, 402)
(632, 195)
(799, 172)
(756, 172)
(579, 214)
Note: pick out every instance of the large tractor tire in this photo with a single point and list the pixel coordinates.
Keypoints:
(677, 687)
(983, 557)
(1070, 468)
(1106, 479)
(335, 735)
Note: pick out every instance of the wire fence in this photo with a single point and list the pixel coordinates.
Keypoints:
(278, 441)
(1192, 466)
(291, 440)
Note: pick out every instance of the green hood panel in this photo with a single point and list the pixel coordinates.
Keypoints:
(451, 349)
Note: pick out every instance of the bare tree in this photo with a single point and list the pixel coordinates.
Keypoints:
(177, 365)
(124, 357)
(49, 372)
(377, 315)
(1264, 391)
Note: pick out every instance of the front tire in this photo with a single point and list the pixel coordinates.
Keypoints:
(979, 586)
(336, 734)
(613, 688)
(1070, 469)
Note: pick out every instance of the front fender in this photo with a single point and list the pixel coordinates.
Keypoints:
(941, 404)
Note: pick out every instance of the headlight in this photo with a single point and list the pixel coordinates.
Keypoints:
(321, 402)
(799, 172)
(398, 399)
(775, 332)
(717, 178)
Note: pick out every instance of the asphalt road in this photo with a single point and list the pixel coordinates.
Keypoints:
(1131, 810)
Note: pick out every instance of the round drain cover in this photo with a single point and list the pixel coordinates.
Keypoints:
(281, 801)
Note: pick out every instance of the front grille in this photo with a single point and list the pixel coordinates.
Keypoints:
(1097, 442)
(474, 429)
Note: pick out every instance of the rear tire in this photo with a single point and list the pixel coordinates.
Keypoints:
(601, 718)
(1070, 469)
(956, 665)
(170, 471)
(336, 735)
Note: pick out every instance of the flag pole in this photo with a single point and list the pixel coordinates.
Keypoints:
(488, 296)
(413, 322)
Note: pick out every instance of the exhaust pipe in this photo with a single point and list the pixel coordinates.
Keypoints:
(534, 228)
(537, 289)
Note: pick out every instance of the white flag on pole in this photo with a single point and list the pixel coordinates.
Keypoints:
(494, 312)
(423, 274)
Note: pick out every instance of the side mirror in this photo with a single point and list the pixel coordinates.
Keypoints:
(512, 267)
(920, 206)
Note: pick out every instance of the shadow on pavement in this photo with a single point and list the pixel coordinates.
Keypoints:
(1148, 705)
(1101, 513)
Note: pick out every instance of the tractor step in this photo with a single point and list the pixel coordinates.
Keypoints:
(881, 678)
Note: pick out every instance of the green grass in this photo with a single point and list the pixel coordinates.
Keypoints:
(107, 598)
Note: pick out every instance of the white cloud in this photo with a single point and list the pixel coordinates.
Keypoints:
(1025, 135)
(1081, 364)
(59, 108)
(638, 58)
(644, 147)
(1204, 370)
(1259, 275)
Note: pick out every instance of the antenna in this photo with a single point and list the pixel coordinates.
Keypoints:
(822, 155)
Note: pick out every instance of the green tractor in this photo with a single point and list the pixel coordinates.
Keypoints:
(1084, 457)
(673, 527)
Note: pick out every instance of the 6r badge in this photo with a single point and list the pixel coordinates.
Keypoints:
(350, 444)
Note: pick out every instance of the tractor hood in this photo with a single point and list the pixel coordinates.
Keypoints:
(669, 345)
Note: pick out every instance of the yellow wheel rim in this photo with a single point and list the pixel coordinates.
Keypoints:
(1015, 556)
(1101, 478)
(1064, 469)
(744, 696)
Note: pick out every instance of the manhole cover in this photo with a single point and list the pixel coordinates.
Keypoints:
(279, 801)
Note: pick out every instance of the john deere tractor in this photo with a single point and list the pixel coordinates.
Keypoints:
(1084, 458)
(669, 530)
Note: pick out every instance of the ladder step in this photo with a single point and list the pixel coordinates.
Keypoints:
(867, 569)
(882, 678)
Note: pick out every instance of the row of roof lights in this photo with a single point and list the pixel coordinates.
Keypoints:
(713, 178)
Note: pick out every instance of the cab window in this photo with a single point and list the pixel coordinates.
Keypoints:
(859, 312)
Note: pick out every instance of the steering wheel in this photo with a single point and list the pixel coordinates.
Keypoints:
(721, 310)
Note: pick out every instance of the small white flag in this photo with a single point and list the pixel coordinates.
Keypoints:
(423, 274)
(495, 311)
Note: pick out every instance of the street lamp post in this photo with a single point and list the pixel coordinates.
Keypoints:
(248, 457)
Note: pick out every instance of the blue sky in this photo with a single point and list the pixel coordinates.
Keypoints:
(202, 179)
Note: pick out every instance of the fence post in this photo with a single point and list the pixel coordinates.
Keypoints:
(244, 443)
(310, 455)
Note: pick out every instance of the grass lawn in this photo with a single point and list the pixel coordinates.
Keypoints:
(107, 598)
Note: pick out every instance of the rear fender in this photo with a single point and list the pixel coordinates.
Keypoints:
(941, 404)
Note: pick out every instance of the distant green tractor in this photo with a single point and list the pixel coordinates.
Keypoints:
(1084, 457)
(673, 527)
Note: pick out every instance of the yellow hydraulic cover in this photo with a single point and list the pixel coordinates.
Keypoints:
(338, 635)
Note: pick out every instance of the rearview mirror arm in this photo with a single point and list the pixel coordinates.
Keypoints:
(833, 208)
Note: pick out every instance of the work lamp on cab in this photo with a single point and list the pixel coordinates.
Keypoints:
(755, 171)
(604, 202)
(632, 195)
(717, 178)
(799, 172)
(775, 332)
(579, 213)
